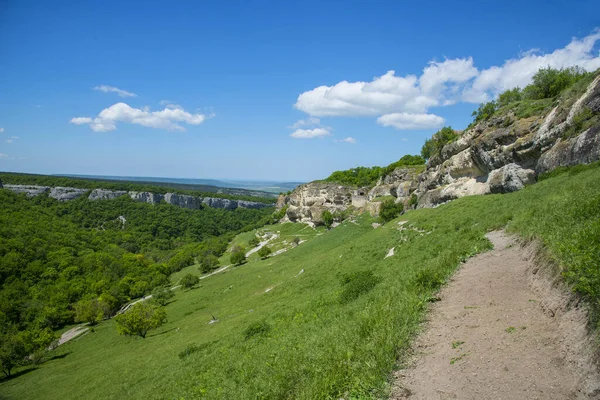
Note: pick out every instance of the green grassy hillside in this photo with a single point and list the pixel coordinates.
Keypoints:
(337, 329)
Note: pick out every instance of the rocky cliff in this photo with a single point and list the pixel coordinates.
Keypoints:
(499, 155)
(179, 200)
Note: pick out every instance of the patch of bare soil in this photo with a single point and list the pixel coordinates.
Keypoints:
(502, 330)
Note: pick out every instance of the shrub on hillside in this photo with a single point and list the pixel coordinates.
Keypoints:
(264, 252)
(161, 296)
(90, 311)
(550, 82)
(208, 263)
(259, 328)
(327, 218)
(356, 284)
(189, 281)
(237, 257)
(439, 139)
(390, 210)
(140, 318)
(253, 242)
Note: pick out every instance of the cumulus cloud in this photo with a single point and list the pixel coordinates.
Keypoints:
(310, 133)
(402, 102)
(349, 139)
(1, 130)
(411, 121)
(112, 89)
(169, 118)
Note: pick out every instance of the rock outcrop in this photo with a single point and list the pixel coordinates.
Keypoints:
(66, 193)
(179, 200)
(28, 190)
(500, 155)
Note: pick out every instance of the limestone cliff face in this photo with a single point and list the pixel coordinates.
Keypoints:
(179, 200)
(500, 155)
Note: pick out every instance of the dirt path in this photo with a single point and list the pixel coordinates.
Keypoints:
(490, 337)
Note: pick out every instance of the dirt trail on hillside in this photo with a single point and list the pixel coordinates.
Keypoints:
(501, 332)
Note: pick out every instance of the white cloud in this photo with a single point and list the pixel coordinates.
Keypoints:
(2, 155)
(349, 139)
(310, 133)
(311, 121)
(112, 89)
(1, 130)
(9, 141)
(411, 121)
(168, 118)
(14, 137)
(403, 101)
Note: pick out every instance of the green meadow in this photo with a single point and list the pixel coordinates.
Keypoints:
(328, 319)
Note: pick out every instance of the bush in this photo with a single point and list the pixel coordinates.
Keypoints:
(253, 242)
(484, 112)
(140, 318)
(356, 284)
(208, 263)
(327, 218)
(238, 257)
(296, 241)
(91, 311)
(189, 281)
(161, 296)
(549, 82)
(390, 210)
(264, 252)
(439, 139)
(413, 200)
(259, 328)
(509, 96)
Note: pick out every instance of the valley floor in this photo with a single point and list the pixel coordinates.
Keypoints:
(496, 334)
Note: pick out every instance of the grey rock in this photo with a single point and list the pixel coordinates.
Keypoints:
(184, 200)
(28, 190)
(510, 178)
(583, 149)
(146, 197)
(66, 193)
(251, 204)
(220, 203)
(103, 194)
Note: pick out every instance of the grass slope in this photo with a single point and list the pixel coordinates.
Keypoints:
(336, 330)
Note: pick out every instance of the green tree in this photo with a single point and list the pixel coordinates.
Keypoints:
(264, 252)
(509, 96)
(237, 257)
(90, 311)
(439, 139)
(549, 82)
(161, 296)
(189, 281)
(484, 112)
(140, 318)
(253, 242)
(327, 218)
(208, 263)
(12, 351)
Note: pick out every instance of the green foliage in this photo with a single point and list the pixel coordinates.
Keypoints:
(433, 146)
(140, 318)
(550, 82)
(296, 240)
(92, 311)
(238, 257)
(413, 200)
(13, 351)
(189, 281)
(191, 349)
(484, 112)
(279, 214)
(208, 263)
(356, 284)
(55, 254)
(161, 296)
(368, 176)
(258, 328)
(318, 347)
(509, 96)
(264, 252)
(253, 242)
(390, 210)
(582, 121)
(327, 218)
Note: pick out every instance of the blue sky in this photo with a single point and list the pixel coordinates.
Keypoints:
(278, 90)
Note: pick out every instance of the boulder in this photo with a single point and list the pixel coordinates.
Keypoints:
(510, 178)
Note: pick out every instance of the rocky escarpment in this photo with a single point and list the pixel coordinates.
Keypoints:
(500, 155)
(179, 200)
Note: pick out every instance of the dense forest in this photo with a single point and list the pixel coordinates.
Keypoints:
(154, 187)
(56, 256)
